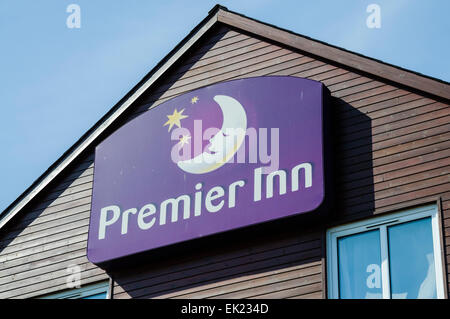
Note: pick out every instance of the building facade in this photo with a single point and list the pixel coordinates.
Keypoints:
(386, 235)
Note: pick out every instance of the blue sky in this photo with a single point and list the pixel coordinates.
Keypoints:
(56, 82)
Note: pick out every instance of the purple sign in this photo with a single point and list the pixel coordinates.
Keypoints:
(218, 158)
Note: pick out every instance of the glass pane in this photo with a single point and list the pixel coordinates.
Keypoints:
(411, 260)
(101, 295)
(360, 266)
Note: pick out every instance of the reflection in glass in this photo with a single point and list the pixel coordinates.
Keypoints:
(411, 260)
(359, 266)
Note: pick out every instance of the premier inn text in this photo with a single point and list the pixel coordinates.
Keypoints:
(146, 217)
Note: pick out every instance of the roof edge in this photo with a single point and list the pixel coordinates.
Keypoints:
(378, 68)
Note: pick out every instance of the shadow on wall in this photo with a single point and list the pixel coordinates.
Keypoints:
(240, 264)
(354, 182)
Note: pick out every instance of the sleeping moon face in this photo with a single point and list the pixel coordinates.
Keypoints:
(225, 143)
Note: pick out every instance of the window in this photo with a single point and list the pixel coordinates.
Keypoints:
(94, 291)
(396, 256)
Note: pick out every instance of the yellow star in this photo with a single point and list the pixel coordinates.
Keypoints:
(175, 118)
(194, 99)
(184, 140)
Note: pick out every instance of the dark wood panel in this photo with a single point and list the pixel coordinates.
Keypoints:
(295, 68)
(393, 121)
(241, 265)
(339, 76)
(219, 40)
(223, 75)
(409, 113)
(88, 276)
(28, 269)
(315, 71)
(379, 102)
(354, 82)
(392, 137)
(65, 199)
(47, 226)
(369, 92)
(356, 116)
(400, 108)
(383, 205)
(404, 147)
(70, 190)
(209, 51)
(223, 60)
(195, 61)
(431, 130)
(302, 284)
(423, 174)
(390, 168)
(269, 284)
(50, 212)
(22, 223)
(83, 178)
(358, 147)
(37, 240)
(384, 95)
(221, 256)
(17, 276)
(396, 169)
(227, 53)
(397, 177)
(11, 282)
(204, 278)
(437, 143)
(217, 270)
(298, 290)
(49, 256)
(365, 173)
(392, 127)
(366, 194)
(357, 89)
(224, 67)
(246, 281)
(349, 113)
(83, 166)
(329, 76)
(312, 295)
(446, 204)
(91, 279)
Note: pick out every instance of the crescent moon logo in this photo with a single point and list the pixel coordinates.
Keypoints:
(225, 143)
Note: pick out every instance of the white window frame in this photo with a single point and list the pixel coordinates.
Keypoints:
(382, 223)
(79, 293)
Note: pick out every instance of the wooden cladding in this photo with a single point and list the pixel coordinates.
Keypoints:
(289, 265)
(392, 147)
(37, 248)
